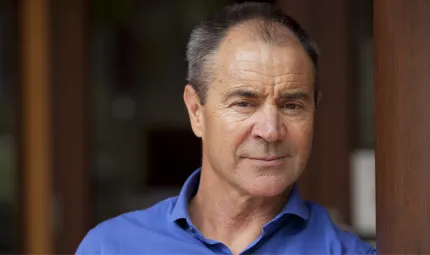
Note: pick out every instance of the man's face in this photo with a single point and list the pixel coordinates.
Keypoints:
(257, 122)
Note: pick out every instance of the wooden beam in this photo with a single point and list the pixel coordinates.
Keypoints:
(36, 139)
(402, 118)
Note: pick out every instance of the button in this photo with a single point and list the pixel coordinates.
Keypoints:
(191, 230)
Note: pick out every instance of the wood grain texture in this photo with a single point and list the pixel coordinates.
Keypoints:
(402, 75)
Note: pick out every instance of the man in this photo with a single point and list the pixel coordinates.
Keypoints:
(251, 98)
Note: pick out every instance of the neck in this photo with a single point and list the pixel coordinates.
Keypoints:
(223, 213)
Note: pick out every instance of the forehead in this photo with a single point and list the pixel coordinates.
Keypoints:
(244, 58)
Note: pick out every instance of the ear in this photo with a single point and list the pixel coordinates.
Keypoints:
(192, 101)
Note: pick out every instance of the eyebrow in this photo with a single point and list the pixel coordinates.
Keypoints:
(298, 95)
(247, 93)
(242, 93)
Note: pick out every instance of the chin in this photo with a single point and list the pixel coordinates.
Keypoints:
(268, 186)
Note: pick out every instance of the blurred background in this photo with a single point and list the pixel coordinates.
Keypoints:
(92, 122)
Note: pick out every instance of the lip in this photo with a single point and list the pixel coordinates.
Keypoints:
(267, 161)
(268, 158)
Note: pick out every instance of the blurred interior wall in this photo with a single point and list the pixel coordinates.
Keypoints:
(8, 112)
(71, 121)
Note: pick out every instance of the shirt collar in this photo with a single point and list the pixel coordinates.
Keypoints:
(295, 204)
(180, 209)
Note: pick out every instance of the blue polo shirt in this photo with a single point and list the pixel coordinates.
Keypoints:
(166, 228)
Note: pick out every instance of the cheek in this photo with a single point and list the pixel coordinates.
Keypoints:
(234, 133)
(228, 133)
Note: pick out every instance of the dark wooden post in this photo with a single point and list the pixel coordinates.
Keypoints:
(402, 48)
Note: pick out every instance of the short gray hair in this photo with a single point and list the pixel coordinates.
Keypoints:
(207, 36)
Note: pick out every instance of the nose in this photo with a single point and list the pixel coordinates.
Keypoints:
(269, 125)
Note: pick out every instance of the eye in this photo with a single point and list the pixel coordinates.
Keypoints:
(243, 104)
(291, 106)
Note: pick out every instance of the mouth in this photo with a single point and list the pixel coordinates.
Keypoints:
(271, 158)
(267, 161)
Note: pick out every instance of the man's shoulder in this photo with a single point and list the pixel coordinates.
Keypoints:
(144, 218)
(340, 236)
(125, 226)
